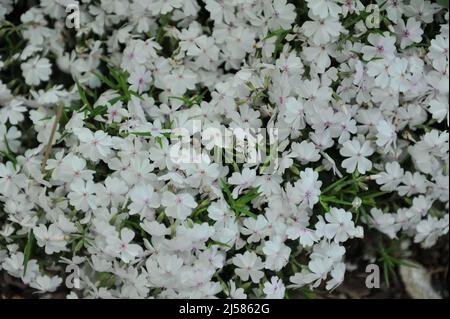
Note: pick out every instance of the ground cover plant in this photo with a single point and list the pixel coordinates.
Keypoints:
(102, 195)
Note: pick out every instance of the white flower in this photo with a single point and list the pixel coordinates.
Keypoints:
(122, 247)
(439, 49)
(298, 229)
(357, 154)
(235, 292)
(14, 265)
(281, 13)
(441, 188)
(428, 230)
(202, 174)
(277, 254)
(292, 65)
(12, 112)
(394, 9)
(294, 113)
(52, 238)
(409, 33)
(10, 179)
(189, 35)
(324, 8)
(322, 30)
(36, 70)
(82, 195)
(163, 6)
(337, 276)
(242, 180)
(318, 271)
(439, 108)
(249, 265)
(70, 168)
(339, 226)
(399, 75)
(179, 206)
(412, 184)
(357, 107)
(379, 70)
(384, 222)
(382, 46)
(137, 172)
(274, 289)
(255, 229)
(421, 10)
(93, 146)
(319, 55)
(391, 178)
(112, 193)
(386, 135)
(154, 228)
(46, 283)
(181, 80)
(308, 188)
(139, 79)
(11, 137)
(305, 152)
(144, 201)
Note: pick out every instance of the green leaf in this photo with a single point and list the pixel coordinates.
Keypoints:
(443, 3)
(99, 110)
(27, 251)
(324, 206)
(78, 246)
(142, 134)
(136, 95)
(248, 213)
(248, 197)
(307, 293)
(121, 79)
(373, 195)
(334, 185)
(239, 205)
(226, 189)
(186, 101)
(105, 80)
(8, 153)
(218, 243)
(386, 271)
(332, 199)
(83, 96)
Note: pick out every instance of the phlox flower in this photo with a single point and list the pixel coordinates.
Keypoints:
(178, 205)
(248, 265)
(36, 70)
(122, 247)
(93, 145)
(356, 154)
(274, 289)
(82, 195)
(52, 238)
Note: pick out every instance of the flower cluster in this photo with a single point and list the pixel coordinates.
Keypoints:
(359, 99)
